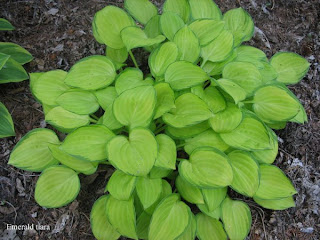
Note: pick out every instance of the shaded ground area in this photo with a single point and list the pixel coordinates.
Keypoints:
(58, 33)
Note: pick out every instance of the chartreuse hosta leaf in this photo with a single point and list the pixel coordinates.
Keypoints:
(6, 123)
(251, 54)
(206, 30)
(301, 117)
(128, 79)
(122, 216)
(49, 86)
(250, 135)
(274, 184)
(152, 29)
(226, 120)
(78, 101)
(234, 90)
(135, 155)
(165, 99)
(291, 67)
(180, 7)
(74, 163)
(207, 168)
(148, 190)
(211, 96)
(189, 192)
(276, 204)
(5, 25)
(56, 187)
(88, 143)
(170, 219)
(121, 185)
(170, 24)
(209, 138)
(166, 191)
(143, 222)
(236, 218)
(188, 44)
(269, 155)
(204, 9)
(141, 10)
(273, 103)
(65, 120)
(32, 152)
(17, 53)
(100, 225)
(245, 74)
(117, 55)
(213, 197)
(190, 232)
(245, 173)
(219, 49)
(109, 120)
(209, 228)
(135, 107)
(268, 73)
(91, 73)
(216, 214)
(158, 172)
(106, 96)
(189, 111)
(181, 75)
(240, 23)
(187, 132)
(134, 37)
(108, 24)
(167, 153)
(162, 57)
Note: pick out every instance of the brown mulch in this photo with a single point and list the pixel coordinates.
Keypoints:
(58, 33)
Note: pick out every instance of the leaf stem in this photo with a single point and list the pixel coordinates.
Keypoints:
(92, 120)
(203, 63)
(180, 145)
(133, 59)
(160, 129)
(94, 116)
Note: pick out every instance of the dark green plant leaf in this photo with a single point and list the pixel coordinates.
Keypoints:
(16, 52)
(6, 123)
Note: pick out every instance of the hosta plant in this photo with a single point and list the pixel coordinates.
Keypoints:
(182, 138)
(12, 57)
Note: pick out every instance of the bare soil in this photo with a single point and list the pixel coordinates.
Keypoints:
(58, 33)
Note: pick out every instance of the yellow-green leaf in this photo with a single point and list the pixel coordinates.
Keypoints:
(276, 204)
(246, 175)
(32, 152)
(100, 225)
(56, 187)
(170, 219)
(167, 153)
(236, 218)
(134, 107)
(141, 10)
(180, 7)
(209, 228)
(207, 168)
(204, 9)
(190, 110)
(274, 184)
(135, 155)
(74, 163)
(122, 216)
(121, 185)
(108, 24)
(148, 190)
(91, 73)
(88, 142)
(291, 67)
(189, 192)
